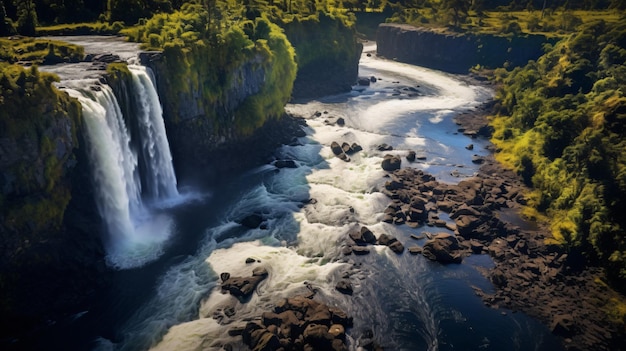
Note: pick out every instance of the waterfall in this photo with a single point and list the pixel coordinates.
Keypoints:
(155, 155)
(128, 175)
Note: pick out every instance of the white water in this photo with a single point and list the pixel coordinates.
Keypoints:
(159, 176)
(136, 233)
(408, 302)
(302, 245)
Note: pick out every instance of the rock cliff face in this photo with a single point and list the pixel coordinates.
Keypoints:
(196, 142)
(42, 253)
(454, 52)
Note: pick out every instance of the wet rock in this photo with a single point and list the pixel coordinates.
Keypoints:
(298, 323)
(249, 260)
(363, 236)
(391, 163)
(470, 147)
(341, 121)
(478, 159)
(344, 286)
(563, 325)
(443, 248)
(338, 151)
(415, 250)
(363, 81)
(384, 147)
(243, 287)
(360, 250)
(410, 156)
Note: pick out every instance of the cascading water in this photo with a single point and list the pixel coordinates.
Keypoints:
(408, 302)
(159, 177)
(136, 234)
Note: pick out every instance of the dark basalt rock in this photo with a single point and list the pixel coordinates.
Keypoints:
(443, 248)
(410, 156)
(344, 286)
(297, 323)
(243, 287)
(391, 163)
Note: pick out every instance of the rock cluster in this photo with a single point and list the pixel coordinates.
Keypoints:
(297, 323)
(344, 150)
(529, 275)
(360, 238)
(243, 287)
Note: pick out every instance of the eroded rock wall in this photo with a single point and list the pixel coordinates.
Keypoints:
(456, 52)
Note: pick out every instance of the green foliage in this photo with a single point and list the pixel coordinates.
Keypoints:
(26, 17)
(39, 51)
(95, 28)
(6, 24)
(562, 125)
(31, 112)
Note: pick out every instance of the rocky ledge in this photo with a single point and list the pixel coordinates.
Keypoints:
(529, 275)
(297, 323)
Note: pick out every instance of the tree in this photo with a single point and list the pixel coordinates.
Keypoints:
(26, 17)
(6, 25)
(457, 10)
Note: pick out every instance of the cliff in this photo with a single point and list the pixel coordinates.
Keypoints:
(211, 110)
(40, 252)
(327, 53)
(456, 52)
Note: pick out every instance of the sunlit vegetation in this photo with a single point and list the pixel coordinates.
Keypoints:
(561, 125)
(93, 28)
(550, 18)
(30, 108)
(38, 51)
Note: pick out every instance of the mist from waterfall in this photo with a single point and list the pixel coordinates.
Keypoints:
(128, 175)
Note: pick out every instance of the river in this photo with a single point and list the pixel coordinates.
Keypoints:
(408, 302)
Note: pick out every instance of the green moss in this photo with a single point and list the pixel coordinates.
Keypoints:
(94, 28)
(561, 125)
(39, 51)
(33, 114)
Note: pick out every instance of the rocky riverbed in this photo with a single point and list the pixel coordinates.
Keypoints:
(529, 275)
(479, 215)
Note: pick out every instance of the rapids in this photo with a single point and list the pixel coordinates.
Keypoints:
(408, 302)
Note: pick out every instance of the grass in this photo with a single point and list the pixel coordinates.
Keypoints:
(101, 28)
(39, 51)
(554, 24)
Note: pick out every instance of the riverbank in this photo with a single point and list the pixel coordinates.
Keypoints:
(530, 276)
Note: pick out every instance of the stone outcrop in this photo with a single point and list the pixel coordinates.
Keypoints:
(50, 253)
(298, 323)
(455, 52)
(243, 287)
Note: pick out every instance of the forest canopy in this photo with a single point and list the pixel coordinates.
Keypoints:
(562, 125)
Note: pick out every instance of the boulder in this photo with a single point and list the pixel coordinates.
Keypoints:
(341, 121)
(338, 151)
(410, 156)
(415, 250)
(563, 325)
(360, 250)
(384, 147)
(391, 163)
(363, 81)
(443, 248)
(363, 236)
(344, 286)
(243, 287)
